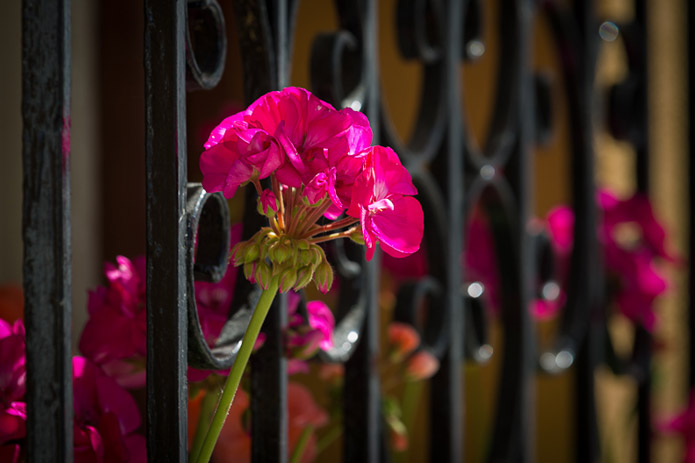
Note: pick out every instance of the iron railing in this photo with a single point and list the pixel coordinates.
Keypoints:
(452, 175)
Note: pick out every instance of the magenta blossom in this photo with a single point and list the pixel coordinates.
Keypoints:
(382, 200)
(304, 340)
(243, 154)
(684, 424)
(632, 242)
(13, 413)
(106, 418)
(297, 135)
(115, 334)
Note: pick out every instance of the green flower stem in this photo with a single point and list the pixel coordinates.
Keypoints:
(412, 393)
(301, 444)
(328, 439)
(207, 406)
(234, 378)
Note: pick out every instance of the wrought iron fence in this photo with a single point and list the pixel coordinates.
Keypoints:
(452, 175)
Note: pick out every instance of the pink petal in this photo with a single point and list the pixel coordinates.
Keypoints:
(215, 164)
(400, 230)
(112, 398)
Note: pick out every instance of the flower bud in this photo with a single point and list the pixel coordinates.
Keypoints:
(421, 366)
(263, 274)
(323, 277)
(249, 271)
(304, 276)
(267, 204)
(282, 251)
(397, 431)
(252, 252)
(239, 253)
(288, 277)
(357, 236)
(403, 339)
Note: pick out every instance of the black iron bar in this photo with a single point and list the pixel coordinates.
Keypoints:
(690, 6)
(447, 408)
(643, 339)
(588, 287)
(165, 103)
(362, 396)
(46, 74)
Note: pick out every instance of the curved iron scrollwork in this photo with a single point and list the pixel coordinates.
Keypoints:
(455, 177)
(206, 44)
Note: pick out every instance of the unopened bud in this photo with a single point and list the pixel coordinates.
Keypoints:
(263, 274)
(357, 236)
(304, 276)
(252, 252)
(239, 253)
(288, 278)
(421, 366)
(267, 204)
(249, 271)
(281, 251)
(323, 277)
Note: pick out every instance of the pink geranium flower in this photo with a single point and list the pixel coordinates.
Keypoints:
(12, 382)
(684, 424)
(632, 242)
(304, 339)
(106, 418)
(297, 135)
(382, 200)
(115, 336)
(241, 155)
(403, 340)
(421, 365)
(116, 329)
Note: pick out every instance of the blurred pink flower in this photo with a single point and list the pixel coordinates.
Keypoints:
(403, 340)
(12, 382)
(632, 242)
(117, 324)
(683, 424)
(304, 339)
(421, 365)
(106, 418)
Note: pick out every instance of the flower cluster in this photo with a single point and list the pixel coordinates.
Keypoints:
(684, 424)
(319, 163)
(106, 416)
(633, 244)
(304, 340)
(13, 409)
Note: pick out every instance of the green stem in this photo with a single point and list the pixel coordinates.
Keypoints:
(328, 439)
(207, 406)
(301, 444)
(234, 378)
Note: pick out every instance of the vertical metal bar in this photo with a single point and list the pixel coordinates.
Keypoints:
(46, 77)
(691, 192)
(586, 255)
(514, 426)
(269, 366)
(165, 104)
(643, 339)
(362, 396)
(446, 421)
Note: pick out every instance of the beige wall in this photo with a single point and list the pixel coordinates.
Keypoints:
(84, 158)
